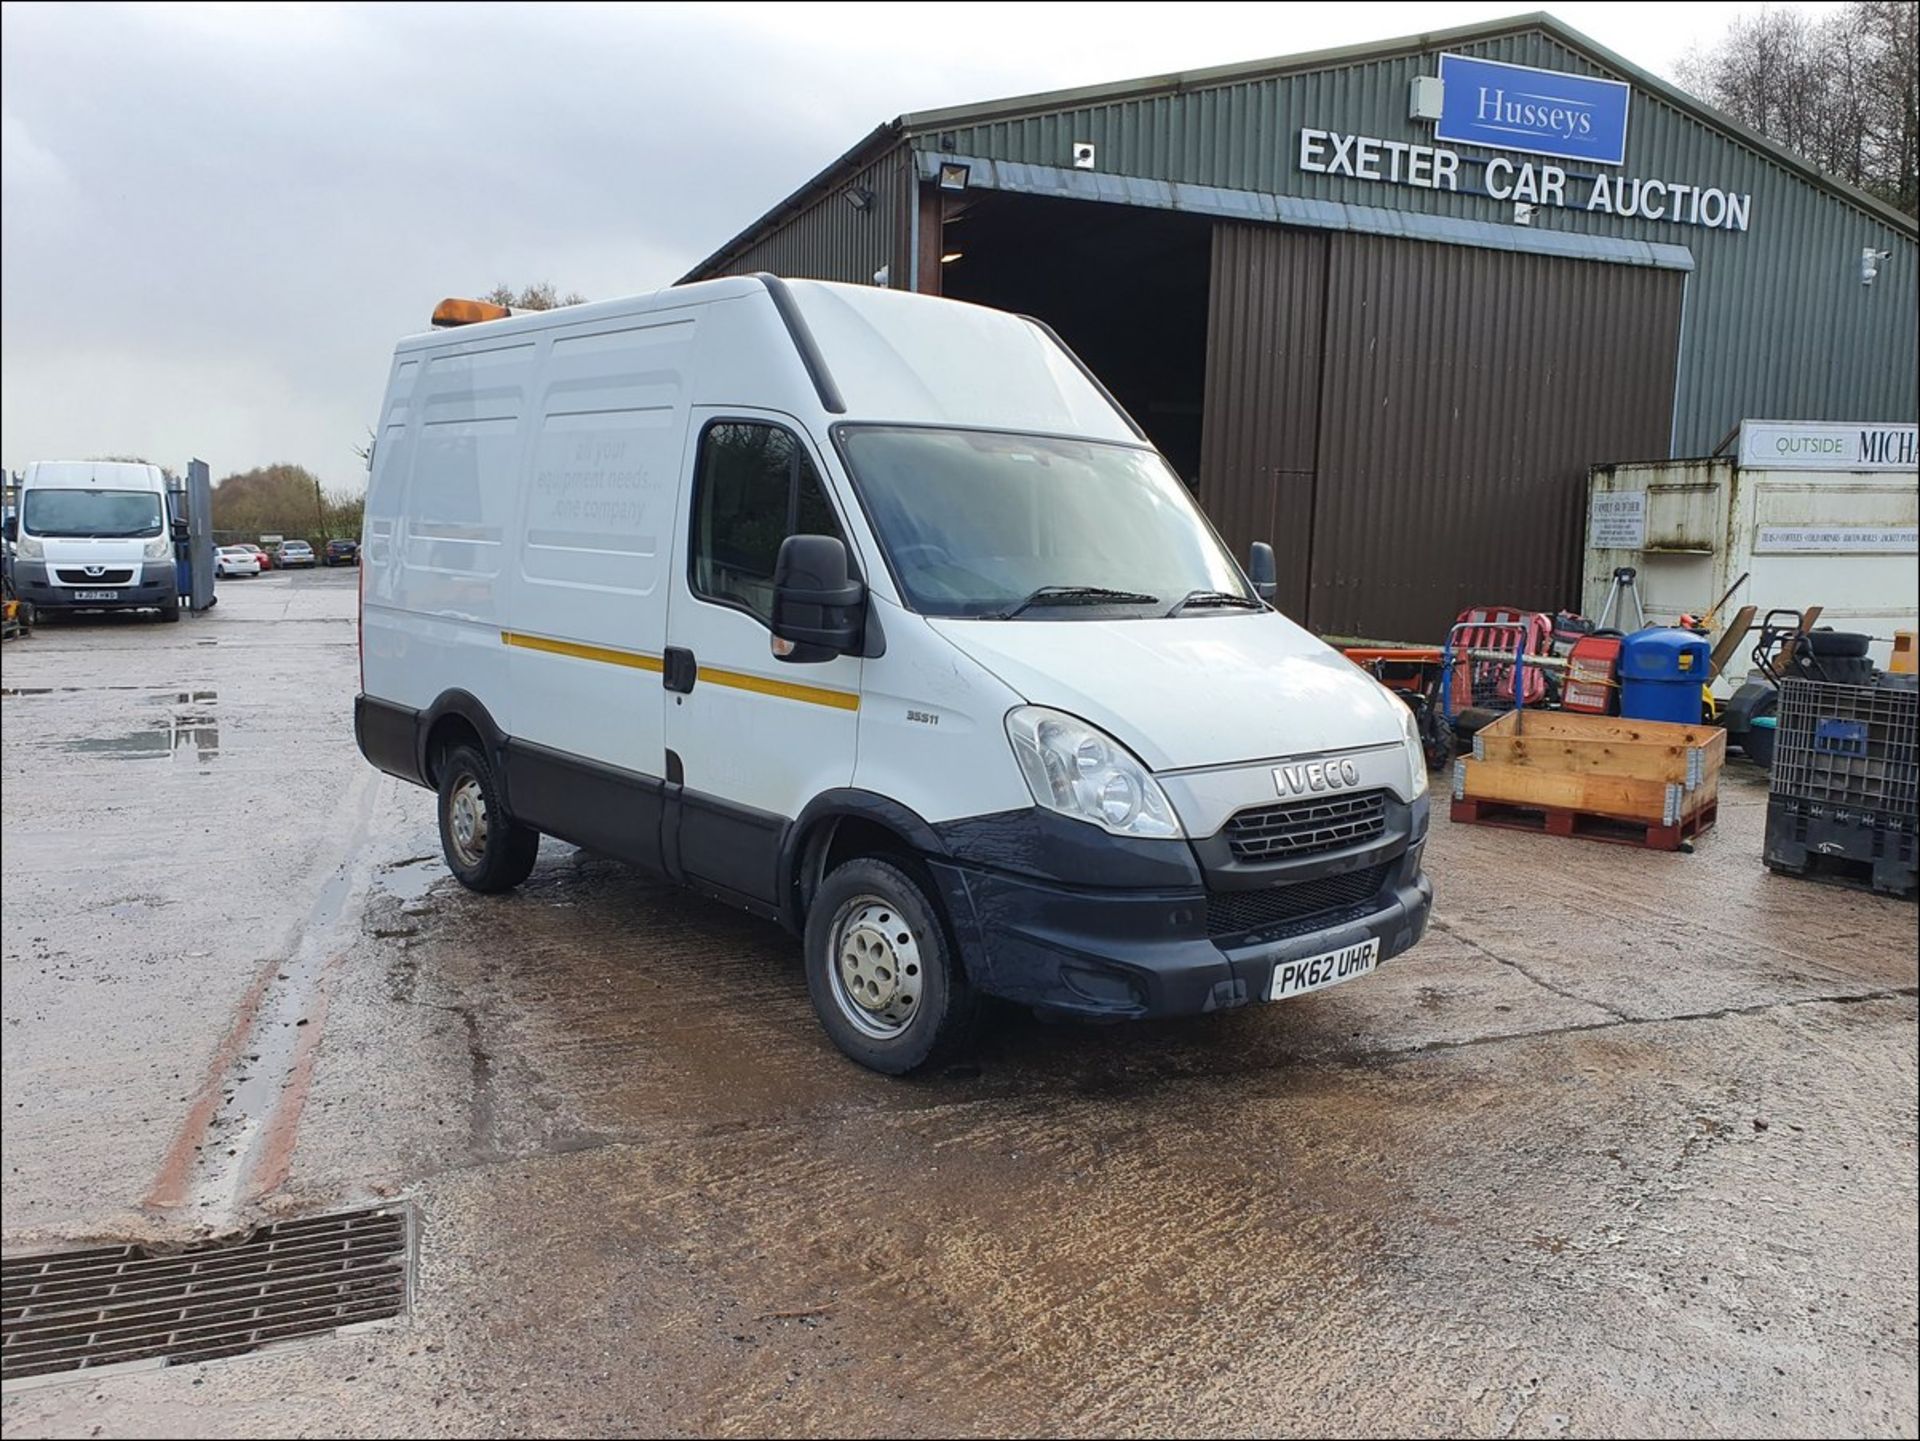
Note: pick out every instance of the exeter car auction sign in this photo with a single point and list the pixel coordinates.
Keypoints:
(1828, 445)
(1488, 104)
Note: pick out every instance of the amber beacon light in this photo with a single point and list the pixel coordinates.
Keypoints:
(453, 311)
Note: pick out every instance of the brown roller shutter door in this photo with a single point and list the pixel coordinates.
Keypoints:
(1411, 423)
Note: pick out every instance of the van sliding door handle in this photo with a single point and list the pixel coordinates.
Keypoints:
(678, 669)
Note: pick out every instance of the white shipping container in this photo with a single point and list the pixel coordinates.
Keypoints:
(1845, 540)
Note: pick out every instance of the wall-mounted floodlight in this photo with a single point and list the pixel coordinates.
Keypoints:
(954, 175)
(859, 197)
(1870, 263)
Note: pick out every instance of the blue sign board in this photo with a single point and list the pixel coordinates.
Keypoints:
(1543, 112)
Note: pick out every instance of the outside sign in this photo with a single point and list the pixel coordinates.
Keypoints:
(1618, 520)
(1828, 445)
(1543, 112)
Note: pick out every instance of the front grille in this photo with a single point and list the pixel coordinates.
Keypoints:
(1229, 913)
(1306, 828)
(75, 1310)
(76, 576)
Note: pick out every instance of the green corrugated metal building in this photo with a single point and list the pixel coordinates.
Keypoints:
(1384, 316)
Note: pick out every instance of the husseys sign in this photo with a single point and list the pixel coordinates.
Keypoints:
(1490, 104)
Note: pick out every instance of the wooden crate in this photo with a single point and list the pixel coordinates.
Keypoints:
(1649, 783)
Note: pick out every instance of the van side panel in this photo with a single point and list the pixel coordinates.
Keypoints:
(440, 508)
(591, 545)
(594, 537)
(383, 635)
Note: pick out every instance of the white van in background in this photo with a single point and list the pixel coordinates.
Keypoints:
(873, 614)
(95, 535)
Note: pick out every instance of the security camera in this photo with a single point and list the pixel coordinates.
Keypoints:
(1083, 155)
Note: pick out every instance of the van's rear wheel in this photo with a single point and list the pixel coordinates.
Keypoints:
(486, 849)
(882, 972)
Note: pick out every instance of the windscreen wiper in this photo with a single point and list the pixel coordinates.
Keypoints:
(1077, 595)
(1196, 598)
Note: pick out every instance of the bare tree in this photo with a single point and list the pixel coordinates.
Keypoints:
(1842, 90)
(538, 296)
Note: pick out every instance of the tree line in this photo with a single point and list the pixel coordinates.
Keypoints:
(1842, 89)
(286, 500)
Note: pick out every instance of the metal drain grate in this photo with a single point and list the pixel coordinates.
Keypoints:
(79, 1310)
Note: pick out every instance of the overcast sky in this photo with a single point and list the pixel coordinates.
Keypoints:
(216, 220)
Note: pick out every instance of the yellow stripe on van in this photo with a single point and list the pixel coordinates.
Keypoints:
(606, 655)
(785, 689)
(636, 660)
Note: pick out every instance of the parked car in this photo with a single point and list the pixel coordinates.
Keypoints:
(295, 553)
(1096, 772)
(235, 560)
(343, 552)
(261, 554)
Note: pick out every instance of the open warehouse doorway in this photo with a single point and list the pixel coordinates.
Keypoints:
(1125, 287)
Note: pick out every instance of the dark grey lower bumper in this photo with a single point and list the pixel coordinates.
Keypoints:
(1135, 954)
(156, 588)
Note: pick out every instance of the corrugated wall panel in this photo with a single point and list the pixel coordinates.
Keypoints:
(1465, 393)
(1778, 322)
(1261, 415)
(830, 240)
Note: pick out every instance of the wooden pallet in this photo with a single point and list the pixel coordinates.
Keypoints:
(1644, 783)
(1588, 825)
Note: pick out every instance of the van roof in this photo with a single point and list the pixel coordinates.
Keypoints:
(871, 354)
(105, 473)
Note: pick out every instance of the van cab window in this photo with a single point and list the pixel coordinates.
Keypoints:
(982, 524)
(756, 486)
(119, 514)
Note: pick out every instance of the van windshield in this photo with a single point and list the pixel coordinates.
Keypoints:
(102, 513)
(984, 524)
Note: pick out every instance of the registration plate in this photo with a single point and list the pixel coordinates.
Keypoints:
(96, 595)
(1316, 973)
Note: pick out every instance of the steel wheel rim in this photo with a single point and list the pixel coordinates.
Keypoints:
(875, 967)
(467, 820)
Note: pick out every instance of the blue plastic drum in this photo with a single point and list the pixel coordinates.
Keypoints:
(1661, 672)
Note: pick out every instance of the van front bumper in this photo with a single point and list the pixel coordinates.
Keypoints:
(156, 585)
(1133, 954)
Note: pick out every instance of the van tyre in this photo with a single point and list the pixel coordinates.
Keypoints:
(485, 848)
(171, 611)
(882, 971)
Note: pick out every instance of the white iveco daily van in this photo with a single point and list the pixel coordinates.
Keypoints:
(95, 535)
(873, 614)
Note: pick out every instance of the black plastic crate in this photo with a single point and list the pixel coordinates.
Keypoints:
(1853, 746)
(1829, 842)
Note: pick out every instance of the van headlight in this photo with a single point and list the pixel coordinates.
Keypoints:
(29, 548)
(159, 548)
(1081, 771)
(1416, 752)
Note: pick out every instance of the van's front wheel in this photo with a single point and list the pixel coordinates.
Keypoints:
(486, 849)
(882, 972)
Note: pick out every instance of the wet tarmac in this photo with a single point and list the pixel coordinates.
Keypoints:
(1627, 1146)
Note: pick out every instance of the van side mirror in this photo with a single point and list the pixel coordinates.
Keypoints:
(179, 530)
(1262, 571)
(817, 606)
(10, 528)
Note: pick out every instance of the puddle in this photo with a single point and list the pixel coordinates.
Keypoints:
(191, 725)
(409, 881)
(72, 689)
